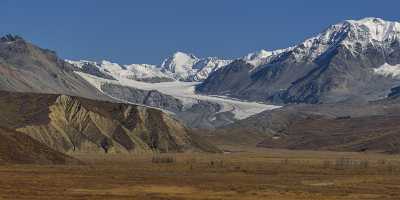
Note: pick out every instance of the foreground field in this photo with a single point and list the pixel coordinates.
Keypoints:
(262, 174)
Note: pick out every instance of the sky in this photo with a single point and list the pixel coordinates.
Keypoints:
(147, 31)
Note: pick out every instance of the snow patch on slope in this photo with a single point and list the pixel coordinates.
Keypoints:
(258, 57)
(388, 70)
(262, 56)
(78, 64)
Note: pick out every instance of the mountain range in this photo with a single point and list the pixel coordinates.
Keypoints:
(338, 90)
(48, 111)
(355, 60)
(178, 67)
(352, 61)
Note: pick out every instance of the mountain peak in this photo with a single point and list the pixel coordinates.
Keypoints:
(182, 55)
(368, 20)
(179, 62)
(10, 38)
(375, 28)
(355, 35)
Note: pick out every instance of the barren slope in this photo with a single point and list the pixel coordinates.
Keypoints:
(18, 148)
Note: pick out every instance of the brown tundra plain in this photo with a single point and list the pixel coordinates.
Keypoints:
(250, 174)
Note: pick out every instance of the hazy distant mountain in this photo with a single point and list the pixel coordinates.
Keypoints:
(351, 60)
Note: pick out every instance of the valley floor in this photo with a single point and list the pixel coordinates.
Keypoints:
(260, 174)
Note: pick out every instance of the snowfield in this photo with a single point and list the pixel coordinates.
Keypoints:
(185, 91)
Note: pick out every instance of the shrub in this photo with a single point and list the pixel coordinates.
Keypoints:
(163, 159)
(327, 164)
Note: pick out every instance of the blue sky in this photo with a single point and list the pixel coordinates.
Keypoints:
(146, 31)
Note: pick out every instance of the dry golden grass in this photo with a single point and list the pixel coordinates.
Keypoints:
(261, 174)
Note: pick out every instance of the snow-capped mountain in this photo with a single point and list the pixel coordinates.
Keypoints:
(345, 61)
(389, 70)
(188, 67)
(354, 35)
(180, 66)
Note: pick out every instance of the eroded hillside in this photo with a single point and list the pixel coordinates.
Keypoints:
(77, 125)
